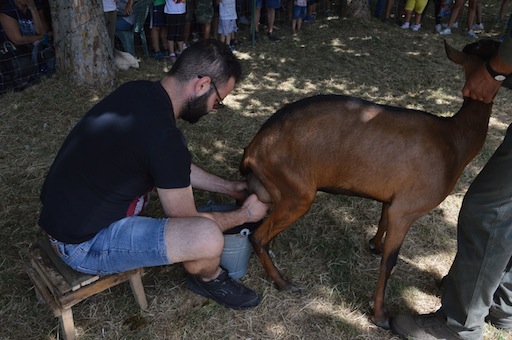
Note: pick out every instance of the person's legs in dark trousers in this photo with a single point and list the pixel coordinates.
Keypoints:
(111, 26)
(437, 18)
(480, 279)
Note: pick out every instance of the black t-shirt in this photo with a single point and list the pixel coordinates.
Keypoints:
(116, 154)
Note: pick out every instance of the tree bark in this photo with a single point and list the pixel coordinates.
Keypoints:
(83, 48)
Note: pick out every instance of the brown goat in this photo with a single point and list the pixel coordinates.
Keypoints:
(407, 159)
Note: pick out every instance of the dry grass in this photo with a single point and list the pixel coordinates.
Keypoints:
(325, 251)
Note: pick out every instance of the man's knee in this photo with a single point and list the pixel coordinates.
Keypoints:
(193, 238)
(211, 236)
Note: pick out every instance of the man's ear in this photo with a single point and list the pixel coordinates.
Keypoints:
(203, 85)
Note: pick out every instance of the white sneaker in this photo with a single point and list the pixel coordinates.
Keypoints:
(455, 24)
(446, 31)
(416, 28)
(477, 27)
(405, 25)
(438, 28)
(472, 34)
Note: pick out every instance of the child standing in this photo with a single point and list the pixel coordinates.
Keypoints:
(299, 12)
(176, 17)
(418, 6)
(227, 23)
(158, 28)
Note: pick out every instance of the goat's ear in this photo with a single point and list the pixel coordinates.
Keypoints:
(454, 55)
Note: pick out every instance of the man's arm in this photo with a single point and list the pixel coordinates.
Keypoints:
(40, 25)
(480, 85)
(203, 180)
(180, 203)
(128, 9)
(12, 30)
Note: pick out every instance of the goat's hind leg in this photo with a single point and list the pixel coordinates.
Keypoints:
(282, 216)
(377, 242)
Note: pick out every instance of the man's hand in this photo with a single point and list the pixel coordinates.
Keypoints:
(481, 86)
(238, 190)
(256, 210)
(30, 4)
(128, 9)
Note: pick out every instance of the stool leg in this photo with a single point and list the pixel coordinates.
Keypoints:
(138, 291)
(68, 326)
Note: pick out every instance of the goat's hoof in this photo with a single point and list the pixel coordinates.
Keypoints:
(373, 247)
(296, 289)
(382, 322)
(290, 287)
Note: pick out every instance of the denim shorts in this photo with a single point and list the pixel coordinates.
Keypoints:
(130, 243)
(299, 12)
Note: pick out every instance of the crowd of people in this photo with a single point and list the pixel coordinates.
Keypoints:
(446, 13)
(175, 24)
(173, 29)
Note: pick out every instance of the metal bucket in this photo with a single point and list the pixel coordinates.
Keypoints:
(236, 253)
(237, 247)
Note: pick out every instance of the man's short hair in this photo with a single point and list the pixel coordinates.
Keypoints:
(210, 58)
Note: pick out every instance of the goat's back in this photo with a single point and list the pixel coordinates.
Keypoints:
(342, 144)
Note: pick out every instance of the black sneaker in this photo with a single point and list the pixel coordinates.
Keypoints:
(224, 291)
(272, 37)
(423, 327)
(499, 319)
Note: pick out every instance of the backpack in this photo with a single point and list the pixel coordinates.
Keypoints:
(43, 56)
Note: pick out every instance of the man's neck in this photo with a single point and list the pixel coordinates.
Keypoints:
(175, 93)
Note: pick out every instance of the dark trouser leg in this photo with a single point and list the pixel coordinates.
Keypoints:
(484, 238)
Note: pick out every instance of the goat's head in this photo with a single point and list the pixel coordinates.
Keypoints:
(474, 54)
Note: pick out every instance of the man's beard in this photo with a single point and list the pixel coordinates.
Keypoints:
(195, 108)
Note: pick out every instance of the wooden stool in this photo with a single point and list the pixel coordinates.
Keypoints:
(62, 287)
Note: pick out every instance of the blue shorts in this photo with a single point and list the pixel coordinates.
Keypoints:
(157, 17)
(123, 25)
(299, 12)
(130, 243)
(269, 3)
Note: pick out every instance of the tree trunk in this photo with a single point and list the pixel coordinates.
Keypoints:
(359, 9)
(83, 48)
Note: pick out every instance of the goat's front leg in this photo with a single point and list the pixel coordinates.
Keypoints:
(380, 315)
(396, 230)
